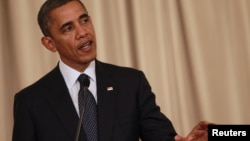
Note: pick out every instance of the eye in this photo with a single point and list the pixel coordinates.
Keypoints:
(84, 19)
(67, 28)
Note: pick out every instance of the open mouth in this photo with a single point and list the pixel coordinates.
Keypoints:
(85, 45)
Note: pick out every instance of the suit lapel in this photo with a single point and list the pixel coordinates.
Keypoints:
(61, 102)
(106, 93)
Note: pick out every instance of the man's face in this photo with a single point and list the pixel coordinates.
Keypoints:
(73, 35)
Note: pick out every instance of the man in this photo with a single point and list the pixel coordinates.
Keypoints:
(126, 110)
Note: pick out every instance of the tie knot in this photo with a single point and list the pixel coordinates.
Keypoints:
(84, 80)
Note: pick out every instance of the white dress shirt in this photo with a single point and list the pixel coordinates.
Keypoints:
(70, 76)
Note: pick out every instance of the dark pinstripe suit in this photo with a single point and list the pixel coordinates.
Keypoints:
(44, 111)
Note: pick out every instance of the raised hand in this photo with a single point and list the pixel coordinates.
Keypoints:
(198, 133)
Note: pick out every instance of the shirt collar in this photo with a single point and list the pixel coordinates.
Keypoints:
(70, 75)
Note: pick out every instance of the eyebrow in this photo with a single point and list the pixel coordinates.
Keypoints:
(84, 16)
(69, 23)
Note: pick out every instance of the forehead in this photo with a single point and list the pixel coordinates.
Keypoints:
(67, 12)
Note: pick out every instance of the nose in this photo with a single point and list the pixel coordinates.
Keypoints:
(81, 32)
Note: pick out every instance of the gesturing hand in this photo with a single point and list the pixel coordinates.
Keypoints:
(198, 133)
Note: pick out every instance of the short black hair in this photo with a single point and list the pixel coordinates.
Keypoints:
(43, 17)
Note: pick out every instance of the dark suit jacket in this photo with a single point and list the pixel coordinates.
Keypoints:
(44, 111)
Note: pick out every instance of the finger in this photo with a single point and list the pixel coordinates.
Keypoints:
(197, 135)
(178, 138)
(202, 125)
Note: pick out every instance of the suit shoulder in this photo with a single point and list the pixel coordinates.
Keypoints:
(121, 69)
(121, 73)
(38, 85)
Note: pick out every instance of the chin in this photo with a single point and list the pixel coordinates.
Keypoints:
(89, 59)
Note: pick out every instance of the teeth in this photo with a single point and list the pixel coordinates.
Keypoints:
(85, 45)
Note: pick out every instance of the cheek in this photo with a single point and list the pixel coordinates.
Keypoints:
(64, 48)
(91, 29)
(67, 42)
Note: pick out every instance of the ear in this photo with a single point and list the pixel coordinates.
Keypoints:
(48, 43)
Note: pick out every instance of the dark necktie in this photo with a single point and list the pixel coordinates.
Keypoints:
(87, 104)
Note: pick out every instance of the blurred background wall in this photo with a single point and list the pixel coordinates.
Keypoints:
(195, 54)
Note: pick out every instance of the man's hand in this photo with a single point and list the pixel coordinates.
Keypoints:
(198, 133)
